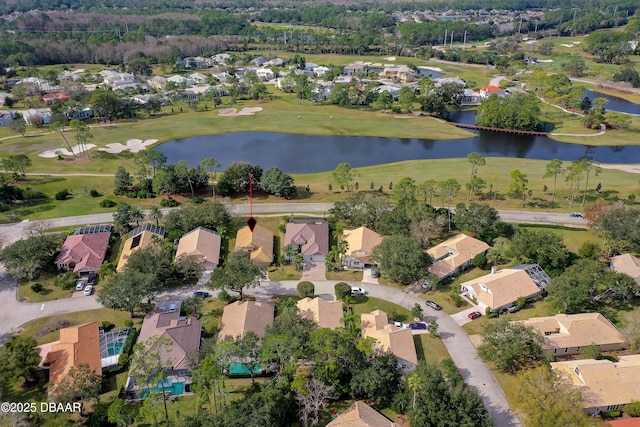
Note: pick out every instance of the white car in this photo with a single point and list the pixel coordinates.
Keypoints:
(401, 325)
(88, 290)
(357, 291)
(79, 285)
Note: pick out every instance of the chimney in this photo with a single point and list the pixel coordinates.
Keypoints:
(493, 269)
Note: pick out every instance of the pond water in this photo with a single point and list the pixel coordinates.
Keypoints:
(613, 102)
(315, 153)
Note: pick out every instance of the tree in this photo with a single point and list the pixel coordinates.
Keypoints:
(632, 332)
(122, 181)
(547, 399)
(305, 289)
(519, 184)
(401, 259)
(277, 182)
(481, 220)
(122, 413)
(521, 112)
(106, 105)
(125, 291)
(213, 216)
(406, 97)
(155, 158)
(512, 346)
(449, 190)
(427, 190)
(588, 166)
(21, 357)
(554, 168)
(207, 379)
(584, 284)
(235, 178)
(575, 66)
(404, 192)
(378, 380)
(155, 214)
(476, 159)
(18, 126)
(189, 267)
(632, 409)
(82, 133)
(80, 382)
(343, 175)
(156, 259)
(210, 164)
(433, 328)
(27, 258)
(16, 164)
(540, 247)
(236, 274)
(384, 101)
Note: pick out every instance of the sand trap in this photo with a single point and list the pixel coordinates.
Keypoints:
(545, 60)
(232, 112)
(423, 67)
(391, 58)
(566, 45)
(133, 145)
(50, 154)
(625, 168)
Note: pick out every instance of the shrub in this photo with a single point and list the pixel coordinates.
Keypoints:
(107, 326)
(132, 194)
(307, 289)
(94, 193)
(224, 296)
(197, 200)
(479, 261)
(4, 208)
(611, 414)
(169, 202)
(632, 409)
(37, 288)
(456, 299)
(62, 195)
(128, 323)
(521, 302)
(342, 289)
(106, 203)
(416, 311)
(272, 268)
(66, 280)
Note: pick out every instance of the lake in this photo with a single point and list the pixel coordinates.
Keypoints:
(613, 102)
(319, 153)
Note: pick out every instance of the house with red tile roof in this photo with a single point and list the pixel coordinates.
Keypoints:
(50, 98)
(487, 91)
(84, 251)
(310, 237)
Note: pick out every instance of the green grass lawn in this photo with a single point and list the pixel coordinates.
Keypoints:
(430, 349)
(285, 272)
(394, 311)
(118, 318)
(539, 308)
(49, 292)
(573, 238)
(347, 275)
(211, 314)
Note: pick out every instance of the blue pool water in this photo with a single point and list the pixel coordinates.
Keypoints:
(239, 368)
(175, 388)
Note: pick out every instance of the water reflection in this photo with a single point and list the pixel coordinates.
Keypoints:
(613, 102)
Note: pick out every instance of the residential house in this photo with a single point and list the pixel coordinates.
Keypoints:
(449, 80)
(197, 62)
(50, 98)
(79, 114)
(359, 414)
(69, 75)
(181, 338)
(391, 89)
(116, 80)
(198, 78)
(43, 85)
(202, 243)
(307, 73)
(500, 289)
(352, 69)
(139, 238)
(487, 91)
(259, 61)
(257, 243)
(390, 337)
(566, 334)
(85, 250)
(455, 255)
(310, 66)
(143, 99)
(605, 385)
(7, 116)
(157, 82)
(3, 96)
(221, 58)
(187, 95)
(627, 264)
(327, 314)
(400, 73)
(264, 74)
(320, 71)
(276, 62)
(361, 242)
(181, 80)
(310, 236)
(321, 91)
(470, 97)
(78, 345)
(241, 317)
(223, 77)
(37, 116)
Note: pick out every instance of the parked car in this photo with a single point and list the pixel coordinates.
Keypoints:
(417, 326)
(374, 273)
(401, 325)
(357, 291)
(88, 290)
(575, 215)
(474, 315)
(202, 294)
(426, 285)
(433, 305)
(79, 285)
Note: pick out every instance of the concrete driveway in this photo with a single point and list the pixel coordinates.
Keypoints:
(366, 277)
(313, 271)
(462, 317)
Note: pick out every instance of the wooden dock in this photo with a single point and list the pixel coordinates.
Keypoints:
(519, 132)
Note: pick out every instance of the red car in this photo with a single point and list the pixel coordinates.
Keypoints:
(474, 315)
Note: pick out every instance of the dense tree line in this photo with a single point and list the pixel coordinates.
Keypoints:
(516, 111)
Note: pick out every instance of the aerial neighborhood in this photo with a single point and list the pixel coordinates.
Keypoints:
(296, 214)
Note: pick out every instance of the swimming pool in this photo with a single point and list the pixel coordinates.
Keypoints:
(240, 369)
(175, 388)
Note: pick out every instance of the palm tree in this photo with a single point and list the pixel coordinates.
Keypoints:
(137, 214)
(155, 214)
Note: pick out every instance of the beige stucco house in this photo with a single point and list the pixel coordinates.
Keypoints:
(327, 314)
(389, 337)
(455, 254)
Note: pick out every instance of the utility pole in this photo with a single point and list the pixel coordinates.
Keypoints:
(536, 30)
(452, 39)
(464, 40)
(445, 39)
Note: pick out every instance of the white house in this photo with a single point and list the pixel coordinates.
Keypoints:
(320, 71)
(264, 74)
(199, 78)
(181, 80)
(37, 115)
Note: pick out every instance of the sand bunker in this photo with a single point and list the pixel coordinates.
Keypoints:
(50, 154)
(391, 58)
(436, 69)
(625, 168)
(133, 145)
(232, 112)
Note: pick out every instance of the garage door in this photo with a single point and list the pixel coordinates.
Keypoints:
(318, 258)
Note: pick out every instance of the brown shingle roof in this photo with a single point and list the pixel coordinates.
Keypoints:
(503, 287)
(603, 382)
(327, 314)
(238, 318)
(454, 252)
(314, 237)
(258, 243)
(576, 330)
(398, 341)
(361, 415)
(361, 242)
(78, 345)
(203, 244)
(86, 250)
(183, 333)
